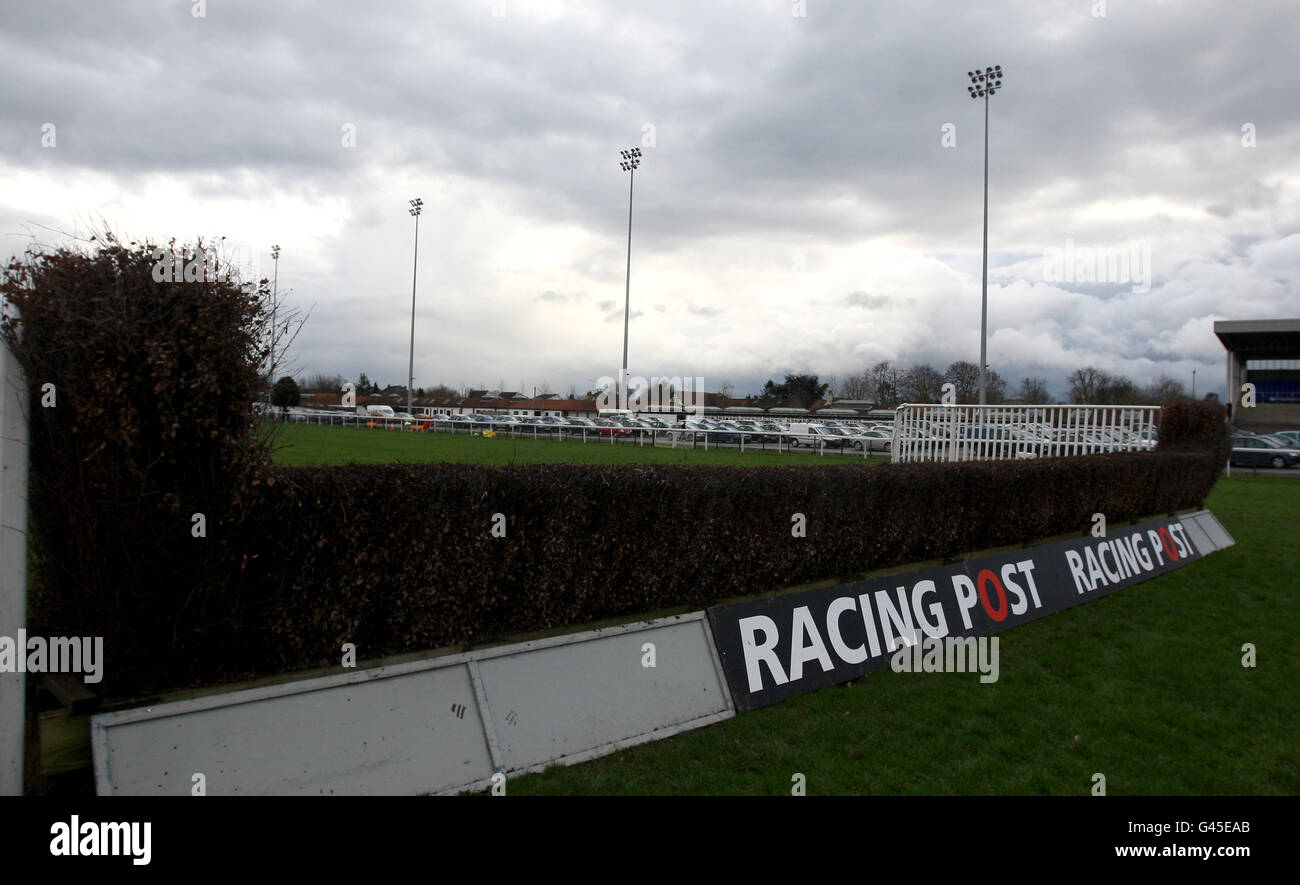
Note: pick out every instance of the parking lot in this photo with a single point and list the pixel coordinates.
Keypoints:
(864, 440)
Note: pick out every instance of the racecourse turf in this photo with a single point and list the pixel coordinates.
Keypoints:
(1145, 686)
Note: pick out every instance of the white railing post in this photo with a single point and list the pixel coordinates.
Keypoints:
(13, 564)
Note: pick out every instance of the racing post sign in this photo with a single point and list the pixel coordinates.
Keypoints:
(781, 646)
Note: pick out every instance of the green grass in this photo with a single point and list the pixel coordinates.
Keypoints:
(1144, 686)
(307, 444)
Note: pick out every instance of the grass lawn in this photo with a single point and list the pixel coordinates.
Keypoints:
(309, 444)
(1145, 686)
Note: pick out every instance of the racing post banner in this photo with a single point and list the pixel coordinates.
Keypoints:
(782, 646)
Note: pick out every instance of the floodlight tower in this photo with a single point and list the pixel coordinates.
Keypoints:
(417, 206)
(631, 160)
(983, 84)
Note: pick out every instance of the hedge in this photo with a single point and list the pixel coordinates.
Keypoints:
(401, 557)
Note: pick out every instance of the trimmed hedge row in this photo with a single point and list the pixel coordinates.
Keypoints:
(399, 558)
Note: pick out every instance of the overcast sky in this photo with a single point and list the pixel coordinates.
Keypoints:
(810, 197)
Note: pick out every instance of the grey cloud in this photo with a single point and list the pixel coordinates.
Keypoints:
(775, 133)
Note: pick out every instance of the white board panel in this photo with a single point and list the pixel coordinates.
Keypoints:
(567, 700)
(422, 726)
(414, 733)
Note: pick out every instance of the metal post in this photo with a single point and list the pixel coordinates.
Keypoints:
(275, 287)
(983, 84)
(984, 279)
(417, 206)
(627, 291)
(631, 160)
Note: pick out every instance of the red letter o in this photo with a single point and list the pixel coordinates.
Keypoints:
(1167, 541)
(1000, 613)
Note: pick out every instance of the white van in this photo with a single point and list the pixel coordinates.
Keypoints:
(804, 434)
(377, 411)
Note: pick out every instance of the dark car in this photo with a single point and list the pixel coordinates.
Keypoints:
(1262, 451)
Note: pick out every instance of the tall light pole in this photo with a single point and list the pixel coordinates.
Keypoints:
(275, 286)
(1193, 384)
(417, 206)
(983, 84)
(631, 160)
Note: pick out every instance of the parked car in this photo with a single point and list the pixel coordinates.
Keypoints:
(609, 427)
(1292, 436)
(767, 433)
(1262, 451)
(734, 433)
(874, 440)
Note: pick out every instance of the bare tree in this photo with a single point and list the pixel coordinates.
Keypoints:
(1084, 384)
(1118, 389)
(1034, 391)
(965, 377)
(921, 384)
(884, 383)
(1164, 389)
(995, 388)
(319, 383)
(855, 386)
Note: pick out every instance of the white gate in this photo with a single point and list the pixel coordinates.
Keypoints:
(931, 432)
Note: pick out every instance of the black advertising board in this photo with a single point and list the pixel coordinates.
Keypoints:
(786, 645)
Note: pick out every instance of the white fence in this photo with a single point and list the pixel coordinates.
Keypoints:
(929, 432)
(820, 441)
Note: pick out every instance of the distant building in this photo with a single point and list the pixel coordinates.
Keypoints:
(1265, 353)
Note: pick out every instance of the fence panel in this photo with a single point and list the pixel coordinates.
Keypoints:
(934, 432)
